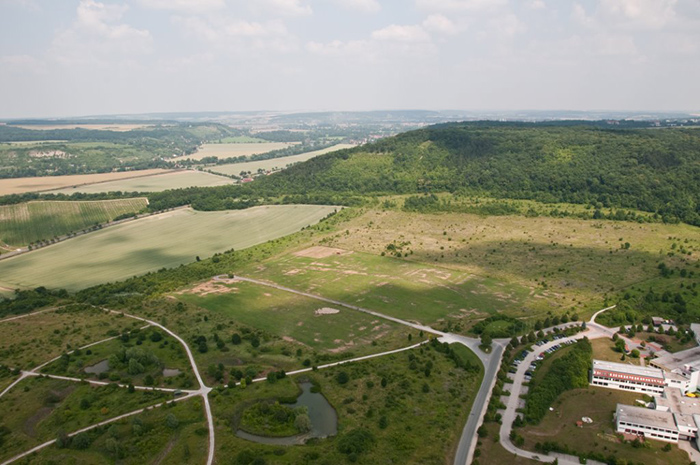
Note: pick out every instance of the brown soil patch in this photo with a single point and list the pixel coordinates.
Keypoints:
(210, 287)
(321, 252)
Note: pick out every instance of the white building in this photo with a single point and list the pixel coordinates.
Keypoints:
(628, 377)
(646, 423)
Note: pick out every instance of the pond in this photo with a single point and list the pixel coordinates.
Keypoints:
(324, 420)
(100, 367)
(170, 372)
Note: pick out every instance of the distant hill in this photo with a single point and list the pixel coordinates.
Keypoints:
(656, 170)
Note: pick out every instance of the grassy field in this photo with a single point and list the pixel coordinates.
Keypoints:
(37, 409)
(599, 404)
(414, 418)
(24, 223)
(427, 293)
(45, 183)
(167, 353)
(165, 240)
(289, 328)
(238, 149)
(603, 350)
(565, 263)
(669, 343)
(30, 341)
(273, 163)
(144, 438)
(161, 182)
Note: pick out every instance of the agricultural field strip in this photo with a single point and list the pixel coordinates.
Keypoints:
(23, 250)
(595, 331)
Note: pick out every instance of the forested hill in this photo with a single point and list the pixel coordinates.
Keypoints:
(655, 170)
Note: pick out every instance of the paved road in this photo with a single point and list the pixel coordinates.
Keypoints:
(467, 444)
(594, 331)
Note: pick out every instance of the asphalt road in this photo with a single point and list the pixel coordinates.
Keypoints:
(467, 442)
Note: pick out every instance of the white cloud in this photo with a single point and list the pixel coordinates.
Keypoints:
(365, 6)
(190, 6)
(96, 35)
(215, 30)
(411, 33)
(536, 4)
(460, 5)
(285, 7)
(339, 48)
(646, 14)
(440, 24)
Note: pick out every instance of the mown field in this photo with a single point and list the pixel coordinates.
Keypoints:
(165, 240)
(160, 182)
(273, 163)
(46, 183)
(236, 149)
(278, 329)
(424, 292)
(24, 223)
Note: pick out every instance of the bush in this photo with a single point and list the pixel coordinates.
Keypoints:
(342, 377)
(355, 441)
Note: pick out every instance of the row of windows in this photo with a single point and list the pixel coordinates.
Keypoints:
(653, 435)
(623, 423)
(626, 384)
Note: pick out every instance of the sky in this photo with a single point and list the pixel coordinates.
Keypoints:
(97, 57)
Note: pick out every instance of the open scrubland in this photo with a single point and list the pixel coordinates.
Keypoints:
(561, 263)
(273, 163)
(40, 408)
(32, 340)
(24, 223)
(229, 150)
(150, 437)
(47, 183)
(147, 244)
(386, 409)
(156, 183)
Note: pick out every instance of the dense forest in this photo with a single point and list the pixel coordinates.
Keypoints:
(654, 170)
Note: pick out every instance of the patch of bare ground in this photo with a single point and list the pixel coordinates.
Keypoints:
(321, 252)
(210, 287)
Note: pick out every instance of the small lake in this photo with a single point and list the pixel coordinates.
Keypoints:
(170, 372)
(324, 420)
(100, 367)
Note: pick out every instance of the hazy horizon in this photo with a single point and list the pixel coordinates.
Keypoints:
(87, 57)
